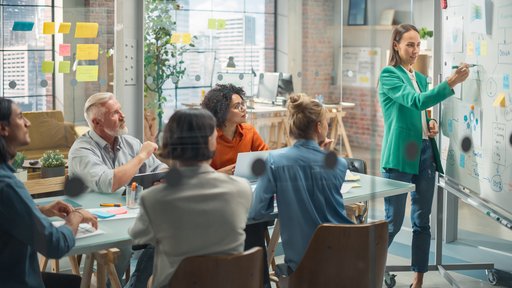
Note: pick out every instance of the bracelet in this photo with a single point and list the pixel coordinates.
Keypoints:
(78, 211)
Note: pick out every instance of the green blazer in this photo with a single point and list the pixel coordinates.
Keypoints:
(401, 107)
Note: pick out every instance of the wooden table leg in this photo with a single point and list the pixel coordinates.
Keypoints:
(88, 265)
(75, 268)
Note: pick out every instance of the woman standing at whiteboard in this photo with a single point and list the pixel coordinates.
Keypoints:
(409, 152)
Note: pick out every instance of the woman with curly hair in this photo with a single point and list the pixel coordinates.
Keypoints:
(227, 104)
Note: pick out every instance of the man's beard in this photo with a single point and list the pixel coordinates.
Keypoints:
(118, 132)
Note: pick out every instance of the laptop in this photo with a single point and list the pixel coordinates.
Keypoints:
(146, 180)
(244, 163)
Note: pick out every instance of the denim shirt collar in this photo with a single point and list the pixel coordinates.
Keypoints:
(308, 144)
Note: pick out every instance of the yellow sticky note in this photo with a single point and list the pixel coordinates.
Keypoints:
(49, 28)
(221, 24)
(175, 38)
(363, 79)
(47, 67)
(64, 66)
(87, 73)
(64, 27)
(87, 51)
(186, 38)
(212, 23)
(86, 30)
(500, 100)
(356, 185)
(470, 48)
(483, 48)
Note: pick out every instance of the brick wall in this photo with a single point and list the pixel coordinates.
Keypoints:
(270, 26)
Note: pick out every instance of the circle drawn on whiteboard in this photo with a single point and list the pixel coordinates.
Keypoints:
(103, 82)
(299, 74)
(241, 76)
(74, 82)
(220, 77)
(44, 83)
(492, 87)
(466, 144)
(149, 80)
(12, 84)
(198, 78)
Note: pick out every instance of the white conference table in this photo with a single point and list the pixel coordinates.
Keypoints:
(116, 231)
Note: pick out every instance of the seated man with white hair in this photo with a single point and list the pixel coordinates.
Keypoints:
(105, 157)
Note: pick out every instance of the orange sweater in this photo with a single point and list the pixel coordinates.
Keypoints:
(246, 139)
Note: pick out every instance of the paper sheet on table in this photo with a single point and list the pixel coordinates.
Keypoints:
(351, 177)
(345, 188)
(132, 213)
(84, 229)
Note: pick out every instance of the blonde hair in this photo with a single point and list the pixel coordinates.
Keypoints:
(303, 115)
(93, 109)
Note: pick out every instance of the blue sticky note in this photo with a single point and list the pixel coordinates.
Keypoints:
(477, 48)
(506, 81)
(462, 160)
(22, 26)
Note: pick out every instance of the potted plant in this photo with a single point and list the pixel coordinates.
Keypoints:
(17, 163)
(425, 34)
(163, 59)
(52, 164)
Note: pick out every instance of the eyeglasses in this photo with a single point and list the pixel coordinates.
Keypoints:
(241, 106)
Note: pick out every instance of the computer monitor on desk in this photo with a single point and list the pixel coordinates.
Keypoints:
(285, 87)
(267, 87)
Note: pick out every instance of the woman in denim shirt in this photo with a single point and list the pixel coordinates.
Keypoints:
(307, 192)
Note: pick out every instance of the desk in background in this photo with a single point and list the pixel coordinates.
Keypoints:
(273, 119)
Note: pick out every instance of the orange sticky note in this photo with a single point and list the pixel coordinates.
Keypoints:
(87, 73)
(86, 30)
(64, 49)
(64, 66)
(87, 51)
(64, 27)
(47, 67)
(49, 28)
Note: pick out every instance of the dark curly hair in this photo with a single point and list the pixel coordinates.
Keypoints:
(186, 135)
(218, 101)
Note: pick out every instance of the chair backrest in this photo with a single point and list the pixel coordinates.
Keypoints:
(356, 165)
(228, 271)
(341, 255)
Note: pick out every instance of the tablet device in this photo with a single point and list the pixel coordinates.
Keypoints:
(147, 180)
(244, 161)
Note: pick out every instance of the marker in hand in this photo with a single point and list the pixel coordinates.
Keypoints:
(111, 205)
(469, 65)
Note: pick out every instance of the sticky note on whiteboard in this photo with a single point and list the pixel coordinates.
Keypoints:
(47, 67)
(500, 100)
(64, 50)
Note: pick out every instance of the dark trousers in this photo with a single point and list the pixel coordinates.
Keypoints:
(58, 280)
(255, 237)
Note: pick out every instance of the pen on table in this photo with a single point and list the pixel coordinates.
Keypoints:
(111, 205)
(469, 65)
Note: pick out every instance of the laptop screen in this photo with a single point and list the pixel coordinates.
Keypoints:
(244, 163)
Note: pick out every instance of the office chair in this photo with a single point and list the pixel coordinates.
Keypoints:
(358, 212)
(341, 255)
(227, 271)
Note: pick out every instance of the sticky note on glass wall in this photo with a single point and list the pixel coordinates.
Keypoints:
(175, 38)
(212, 23)
(64, 27)
(47, 67)
(186, 38)
(483, 48)
(64, 49)
(470, 48)
(221, 24)
(506, 81)
(22, 26)
(49, 28)
(86, 30)
(87, 51)
(87, 73)
(64, 66)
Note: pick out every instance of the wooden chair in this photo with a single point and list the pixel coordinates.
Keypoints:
(341, 255)
(228, 271)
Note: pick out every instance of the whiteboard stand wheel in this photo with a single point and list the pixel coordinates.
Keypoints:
(492, 277)
(389, 280)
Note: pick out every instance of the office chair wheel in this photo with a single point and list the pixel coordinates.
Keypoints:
(492, 276)
(389, 280)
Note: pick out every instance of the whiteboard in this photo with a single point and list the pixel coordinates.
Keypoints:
(479, 32)
(361, 66)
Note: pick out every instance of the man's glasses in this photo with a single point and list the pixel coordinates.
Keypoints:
(241, 106)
